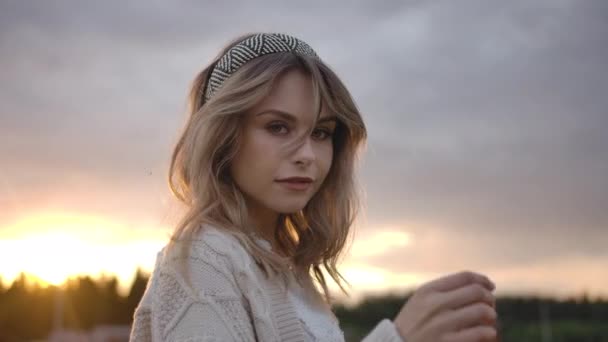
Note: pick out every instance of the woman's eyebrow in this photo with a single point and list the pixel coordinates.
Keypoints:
(284, 115)
(327, 119)
(292, 118)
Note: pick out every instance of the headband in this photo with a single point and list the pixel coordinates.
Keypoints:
(250, 48)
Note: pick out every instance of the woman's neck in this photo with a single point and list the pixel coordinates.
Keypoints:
(265, 223)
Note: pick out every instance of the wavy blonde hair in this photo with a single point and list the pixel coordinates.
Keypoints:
(199, 176)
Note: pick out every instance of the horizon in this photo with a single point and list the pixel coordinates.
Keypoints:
(104, 253)
(34, 282)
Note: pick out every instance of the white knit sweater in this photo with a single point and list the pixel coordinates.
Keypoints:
(226, 297)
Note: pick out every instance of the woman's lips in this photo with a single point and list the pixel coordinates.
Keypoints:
(296, 183)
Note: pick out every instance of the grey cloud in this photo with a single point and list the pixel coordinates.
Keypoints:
(500, 139)
(437, 249)
(182, 23)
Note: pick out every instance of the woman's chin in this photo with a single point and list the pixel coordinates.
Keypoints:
(290, 209)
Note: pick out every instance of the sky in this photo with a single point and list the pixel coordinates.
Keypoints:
(487, 125)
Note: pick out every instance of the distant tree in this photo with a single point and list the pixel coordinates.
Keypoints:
(83, 304)
(112, 304)
(24, 311)
(137, 291)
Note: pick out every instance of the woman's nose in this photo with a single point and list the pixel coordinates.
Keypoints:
(305, 153)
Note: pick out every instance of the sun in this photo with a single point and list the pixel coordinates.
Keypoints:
(53, 247)
(50, 256)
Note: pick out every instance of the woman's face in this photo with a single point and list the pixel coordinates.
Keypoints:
(274, 172)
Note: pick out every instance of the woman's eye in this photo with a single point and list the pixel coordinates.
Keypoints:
(321, 134)
(277, 128)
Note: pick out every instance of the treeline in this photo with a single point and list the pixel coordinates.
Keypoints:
(28, 311)
(520, 319)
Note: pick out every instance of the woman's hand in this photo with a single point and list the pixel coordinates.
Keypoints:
(456, 308)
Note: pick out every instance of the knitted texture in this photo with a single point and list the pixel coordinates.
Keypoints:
(318, 321)
(216, 292)
(318, 325)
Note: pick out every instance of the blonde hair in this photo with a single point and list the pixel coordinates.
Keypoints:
(199, 173)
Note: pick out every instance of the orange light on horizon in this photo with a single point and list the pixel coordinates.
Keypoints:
(381, 241)
(53, 247)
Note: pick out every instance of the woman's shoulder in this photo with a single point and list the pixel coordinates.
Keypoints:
(189, 273)
(207, 261)
(211, 244)
(217, 239)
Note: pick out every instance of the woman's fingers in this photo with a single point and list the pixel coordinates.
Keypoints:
(465, 295)
(454, 308)
(470, 316)
(453, 281)
(480, 333)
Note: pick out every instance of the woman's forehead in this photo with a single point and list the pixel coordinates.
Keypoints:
(292, 97)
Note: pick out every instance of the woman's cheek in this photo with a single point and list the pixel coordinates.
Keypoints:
(327, 158)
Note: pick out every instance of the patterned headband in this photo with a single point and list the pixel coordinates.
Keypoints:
(250, 48)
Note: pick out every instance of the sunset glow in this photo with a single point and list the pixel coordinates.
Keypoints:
(54, 247)
(50, 247)
(381, 241)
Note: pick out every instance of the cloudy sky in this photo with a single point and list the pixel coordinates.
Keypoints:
(487, 122)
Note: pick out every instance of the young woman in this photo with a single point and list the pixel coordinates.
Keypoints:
(265, 167)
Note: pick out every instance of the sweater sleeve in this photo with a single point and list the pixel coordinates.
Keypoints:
(385, 331)
(201, 304)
